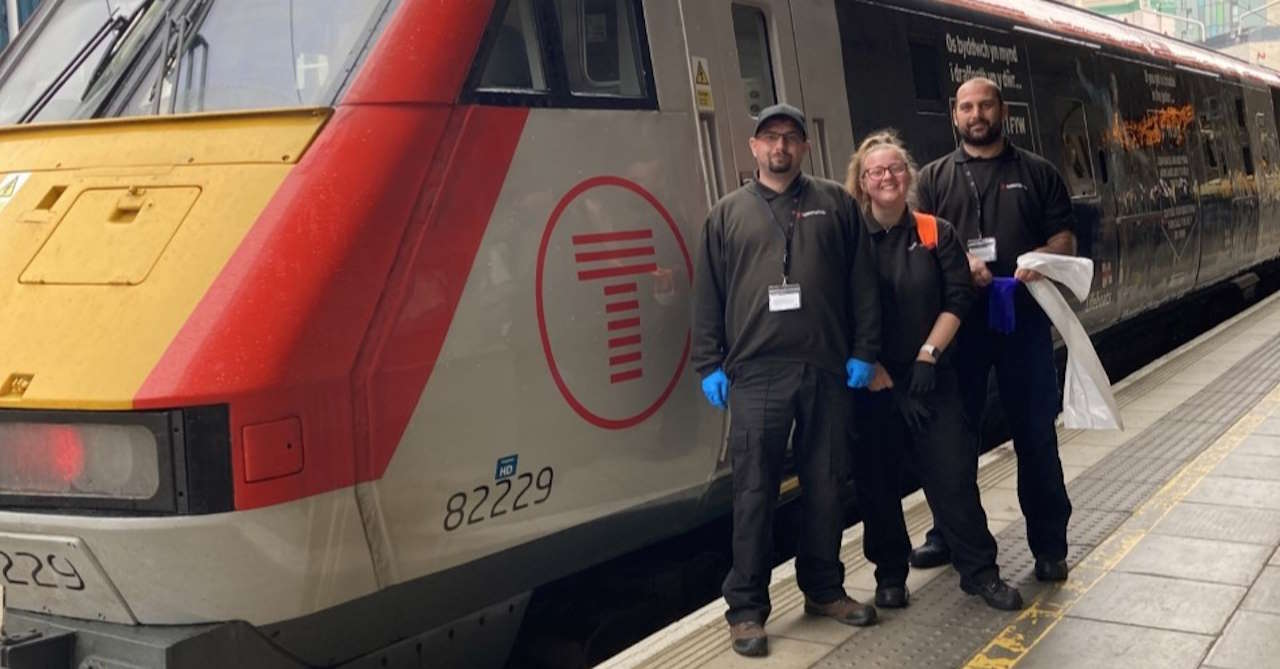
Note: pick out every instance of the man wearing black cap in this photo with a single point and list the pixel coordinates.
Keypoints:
(786, 321)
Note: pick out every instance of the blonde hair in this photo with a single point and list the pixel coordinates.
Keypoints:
(877, 141)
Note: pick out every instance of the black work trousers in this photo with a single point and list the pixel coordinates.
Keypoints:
(765, 400)
(1028, 382)
(944, 455)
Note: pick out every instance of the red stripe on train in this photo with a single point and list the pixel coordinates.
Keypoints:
(302, 320)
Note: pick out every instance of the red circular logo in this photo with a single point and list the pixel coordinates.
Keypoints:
(612, 294)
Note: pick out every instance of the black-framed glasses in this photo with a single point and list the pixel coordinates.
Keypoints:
(896, 169)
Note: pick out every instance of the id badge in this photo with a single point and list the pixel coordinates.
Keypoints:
(983, 248)
(785, 297)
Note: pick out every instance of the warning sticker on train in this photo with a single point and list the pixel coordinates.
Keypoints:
(702, 85)
(612, 289)
(10, 184)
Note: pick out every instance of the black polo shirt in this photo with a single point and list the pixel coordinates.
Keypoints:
(1017, 197)
(916, 285)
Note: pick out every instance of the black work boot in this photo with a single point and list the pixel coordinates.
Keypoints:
(1051, 570)
(892, 596)
(996, 593)
(930, 554)
(845, 610)
(749, 639)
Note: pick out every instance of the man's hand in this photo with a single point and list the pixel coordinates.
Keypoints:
(978, 270)
(859, 372)
(880, 380)
(716, 387)
(1027, 275)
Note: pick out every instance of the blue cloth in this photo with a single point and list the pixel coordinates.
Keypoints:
(716, 387)
(859, 372)
(1000, 316)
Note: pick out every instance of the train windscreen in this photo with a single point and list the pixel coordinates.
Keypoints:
(120, 58)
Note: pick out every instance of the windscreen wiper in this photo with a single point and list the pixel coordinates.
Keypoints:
(111, 48)
(180, 36)
(114, 24)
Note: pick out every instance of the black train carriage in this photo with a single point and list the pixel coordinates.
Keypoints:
(1169, 151)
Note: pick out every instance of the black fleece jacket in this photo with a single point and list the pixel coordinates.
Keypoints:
(742, 254)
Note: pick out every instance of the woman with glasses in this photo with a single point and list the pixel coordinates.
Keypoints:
(912, 407)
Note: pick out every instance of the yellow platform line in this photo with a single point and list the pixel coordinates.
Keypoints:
(1015, 641)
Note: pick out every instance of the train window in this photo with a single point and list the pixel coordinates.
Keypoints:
(1210, 156)
(515, 59)
(1240, 112)
(32, 66)
(256, 54)
(924, 70)
(601, 47)
(751, 31)
(564, 53)
(1076, 163)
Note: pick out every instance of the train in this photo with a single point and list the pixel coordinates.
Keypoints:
(332, 331)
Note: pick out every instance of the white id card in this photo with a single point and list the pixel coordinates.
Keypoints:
(785, 297)
(983, 248)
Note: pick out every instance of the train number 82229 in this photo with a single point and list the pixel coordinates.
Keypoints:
(505, 496)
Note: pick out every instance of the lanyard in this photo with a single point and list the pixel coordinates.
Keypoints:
(977, 194)
(787, 232)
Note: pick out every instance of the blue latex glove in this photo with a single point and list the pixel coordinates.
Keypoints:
(1000, 304)
(859, 372)
(716, 387)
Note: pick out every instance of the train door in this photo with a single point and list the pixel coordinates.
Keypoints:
(1242, 156)
(1219, 201)
(1149, 141)
(1264, 156)
(742, 57)
(1070, 115)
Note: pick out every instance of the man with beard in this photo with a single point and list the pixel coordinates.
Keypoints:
(1005, 201)
(786, 320)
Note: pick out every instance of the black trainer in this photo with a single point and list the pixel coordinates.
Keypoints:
(930, 554)
(892, 596)
(1051, 570)
(996, 593)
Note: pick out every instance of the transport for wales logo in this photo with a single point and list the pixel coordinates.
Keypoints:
(612, 293)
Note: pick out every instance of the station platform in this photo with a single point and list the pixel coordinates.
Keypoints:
(1173, 543)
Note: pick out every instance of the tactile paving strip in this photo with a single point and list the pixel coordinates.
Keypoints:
(944, 627)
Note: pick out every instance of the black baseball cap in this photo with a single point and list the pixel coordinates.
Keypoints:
(784, 110)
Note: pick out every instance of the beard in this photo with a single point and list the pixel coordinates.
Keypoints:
(780, 163)
(993, 134)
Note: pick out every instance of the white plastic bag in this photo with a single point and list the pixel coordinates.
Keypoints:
(1087, 401)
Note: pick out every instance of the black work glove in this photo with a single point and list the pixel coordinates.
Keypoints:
(914, 411)
(923, 378)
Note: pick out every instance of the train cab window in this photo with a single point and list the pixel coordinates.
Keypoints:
(253, 55)
(564, 53)
(515, 59)
(750, 29)
(600, 45)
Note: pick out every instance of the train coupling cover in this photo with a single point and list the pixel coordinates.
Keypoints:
(37, 649)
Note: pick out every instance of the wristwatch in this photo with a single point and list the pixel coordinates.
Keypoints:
(931, 350)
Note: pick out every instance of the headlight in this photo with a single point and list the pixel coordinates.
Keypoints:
(132, 461)
(86, 459)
